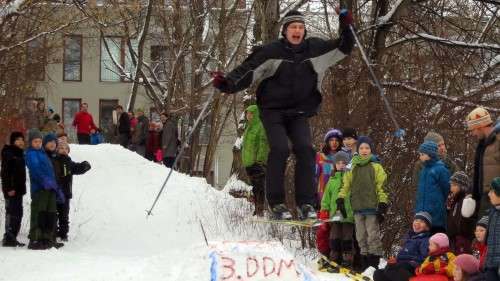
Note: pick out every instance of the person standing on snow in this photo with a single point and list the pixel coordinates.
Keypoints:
(84, 124)
(324, 159)
(123, 126)
(140, 133)
(289, 73)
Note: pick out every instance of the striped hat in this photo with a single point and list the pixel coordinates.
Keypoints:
(478, 118)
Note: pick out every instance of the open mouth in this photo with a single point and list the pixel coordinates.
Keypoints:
(296, 37)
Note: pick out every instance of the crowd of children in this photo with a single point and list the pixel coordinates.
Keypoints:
(51, 171)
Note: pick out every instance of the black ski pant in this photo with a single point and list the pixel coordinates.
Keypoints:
(395, 272)
(63, 219)
(282, 126)
(83, 138)
(13, 217)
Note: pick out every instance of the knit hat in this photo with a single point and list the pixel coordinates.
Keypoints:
(430, 148)
(478, 118)
(441, 240)
(14, 136)
(367, 140)
(48, 138)
(34, 134)
(483, 222)
(341, 156)
(292, 16)
(495, 185)
(433, 136)
(461, 179)
(333, 133)
(350, 133)
(467, 263)
(426, 217)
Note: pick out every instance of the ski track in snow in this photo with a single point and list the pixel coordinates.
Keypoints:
(110, 237)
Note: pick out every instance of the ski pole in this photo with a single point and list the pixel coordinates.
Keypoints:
(184, 144)
(399, 131)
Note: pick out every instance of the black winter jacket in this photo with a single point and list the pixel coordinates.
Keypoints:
(64, 169)
(13, 170)
(124, 123)
(289, 77)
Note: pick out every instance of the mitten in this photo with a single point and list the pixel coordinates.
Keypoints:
(468, 207)
(382, 208)
(324, 215)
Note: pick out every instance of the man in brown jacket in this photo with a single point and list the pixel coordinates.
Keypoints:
(487, 158)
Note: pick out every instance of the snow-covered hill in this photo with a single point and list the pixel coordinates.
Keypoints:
(111, 238)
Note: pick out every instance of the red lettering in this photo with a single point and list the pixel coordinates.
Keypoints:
(256, 266)
(289, 265)
(229, 265)
(266, 272)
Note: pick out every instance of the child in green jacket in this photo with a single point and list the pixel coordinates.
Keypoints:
(254, 156)
(341, 228)
(364, 185)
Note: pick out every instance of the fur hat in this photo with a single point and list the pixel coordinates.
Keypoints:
(34, 134)
(367, 140)
(430, 148)
(349, 133)
(483, 222)
(467, 263)
(14, 136)
(341, 156)
(478, 118)
(426, 217)
(333, 133)
(441, 240)
(461, 179)
(433, 136)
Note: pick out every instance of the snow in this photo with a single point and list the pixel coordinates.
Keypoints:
(386, 18)
(11, 8)
(446, 41)
(111, 239)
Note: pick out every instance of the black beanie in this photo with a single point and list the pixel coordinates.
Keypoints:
(350, 133)
(292, 16)
(14, 136)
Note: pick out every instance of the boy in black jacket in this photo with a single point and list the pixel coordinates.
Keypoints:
(65, 168)
(13, 187)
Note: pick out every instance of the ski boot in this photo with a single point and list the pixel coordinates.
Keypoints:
(307, 212)
(280, 212)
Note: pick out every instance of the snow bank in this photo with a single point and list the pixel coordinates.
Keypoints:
(111, 239)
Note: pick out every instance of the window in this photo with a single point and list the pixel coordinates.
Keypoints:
(36, 59)
(159, 61)
(119, 52)
(69, 108)
(72, 66)
(106, 108)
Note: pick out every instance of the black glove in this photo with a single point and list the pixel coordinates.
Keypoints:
(341, 207)
(86, 165)
(382, 208)
(220, 81)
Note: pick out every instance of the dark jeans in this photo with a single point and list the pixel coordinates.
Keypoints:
(83, 138)
(280, 127)
(169, 161)
(492, 274)
(13, 217)
(394, 272)
(123, 139)
(63, 219)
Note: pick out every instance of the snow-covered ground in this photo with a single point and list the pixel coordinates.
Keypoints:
(112, 239)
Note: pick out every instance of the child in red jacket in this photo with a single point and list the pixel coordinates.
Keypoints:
(479, 247)
(440, 263)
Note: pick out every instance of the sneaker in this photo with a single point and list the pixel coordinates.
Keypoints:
(308, 212)
(280, 212)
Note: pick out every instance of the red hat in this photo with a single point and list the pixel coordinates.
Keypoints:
(467, 263)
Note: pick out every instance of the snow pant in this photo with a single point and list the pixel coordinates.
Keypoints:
(368, 234)
(83, 138)
(63, 219)
(493, 274)
(280, 127)
(43, 215)
(341, 242)
(168, 161)
(123, 139)
(257, 175)
(395, 272)
(13, 217)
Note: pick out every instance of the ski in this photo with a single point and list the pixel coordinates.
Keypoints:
(326, 265)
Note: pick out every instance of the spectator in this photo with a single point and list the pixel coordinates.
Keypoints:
(123, 126)
(169, 139)
(140, 133)
(84, 124)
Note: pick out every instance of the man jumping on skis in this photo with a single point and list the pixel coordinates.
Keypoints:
(289, 73)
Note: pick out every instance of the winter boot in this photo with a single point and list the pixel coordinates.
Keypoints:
(37, 245)
(336, 251)
(347, 254)
(373, 260)
(363, 263)
(307, 212)
(12, 243)
(280, 212)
